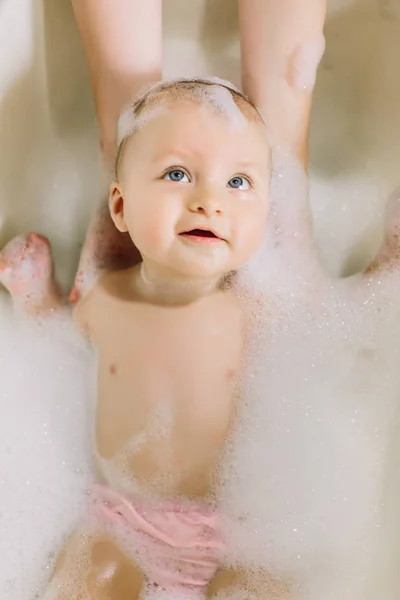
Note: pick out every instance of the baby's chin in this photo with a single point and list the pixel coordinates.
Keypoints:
(216, 267)
(197, 271)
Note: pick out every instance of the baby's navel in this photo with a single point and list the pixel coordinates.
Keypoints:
(112, 369)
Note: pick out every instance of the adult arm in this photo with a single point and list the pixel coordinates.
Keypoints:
(123, 45)
(281, 46)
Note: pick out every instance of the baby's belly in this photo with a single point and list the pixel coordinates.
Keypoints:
(170, 445)
(158, 467)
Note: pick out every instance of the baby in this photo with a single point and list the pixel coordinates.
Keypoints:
(191, 189)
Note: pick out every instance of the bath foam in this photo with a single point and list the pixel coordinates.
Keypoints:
(117, 470)
(216, 96)
(320, 396)
(45, 464)
(128, 124)
(221, 100)
(302, 481)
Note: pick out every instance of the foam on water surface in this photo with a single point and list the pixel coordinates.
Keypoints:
(45, 462)
(304, 488)
(320, 404)
(353, 140)
(304, 483)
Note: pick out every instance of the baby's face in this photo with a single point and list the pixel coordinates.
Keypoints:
(193, 190)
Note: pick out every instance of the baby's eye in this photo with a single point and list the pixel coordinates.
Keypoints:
(176, 175)
(239, 183)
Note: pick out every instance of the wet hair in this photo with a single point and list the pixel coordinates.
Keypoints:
(213, 92)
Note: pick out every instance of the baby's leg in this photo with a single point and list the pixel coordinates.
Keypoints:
(105, 248)
(248, 585)
(92, 567)
(26, 270)
(388, 257)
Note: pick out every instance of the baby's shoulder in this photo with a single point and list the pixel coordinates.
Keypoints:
(105, 295)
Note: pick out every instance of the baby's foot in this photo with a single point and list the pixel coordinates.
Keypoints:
(104, 249)
(26, 271)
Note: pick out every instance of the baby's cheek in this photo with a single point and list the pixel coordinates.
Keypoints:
(250, 231)
(153, 233)
(155, 228)
(153, 225)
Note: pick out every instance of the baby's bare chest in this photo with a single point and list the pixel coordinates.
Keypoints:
(174, 343)
(182, 362)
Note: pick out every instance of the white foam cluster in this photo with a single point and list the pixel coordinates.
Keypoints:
(217, 96)
(221, 100)
(128, 123)
(304, 476)
(287, 256)
(45, 465)
(308, 489)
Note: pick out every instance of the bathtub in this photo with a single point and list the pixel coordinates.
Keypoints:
(49, 181)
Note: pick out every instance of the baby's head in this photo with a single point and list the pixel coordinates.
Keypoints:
(192, 178)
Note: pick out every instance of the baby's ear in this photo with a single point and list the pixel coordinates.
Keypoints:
(116, 206)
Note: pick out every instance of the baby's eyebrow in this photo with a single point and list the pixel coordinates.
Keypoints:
(246, 164)
(172, 153)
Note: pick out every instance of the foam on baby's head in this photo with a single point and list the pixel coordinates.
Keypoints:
(215, 94)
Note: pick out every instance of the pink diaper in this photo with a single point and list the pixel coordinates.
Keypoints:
(175, 544)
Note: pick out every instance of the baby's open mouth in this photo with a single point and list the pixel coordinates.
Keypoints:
(201, 233)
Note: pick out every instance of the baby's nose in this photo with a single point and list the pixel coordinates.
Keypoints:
(207, 203)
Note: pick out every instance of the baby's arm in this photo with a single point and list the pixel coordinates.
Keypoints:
(80, 314)
(282, 43)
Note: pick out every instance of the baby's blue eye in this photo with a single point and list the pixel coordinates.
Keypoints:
(239, 183)
(176, 175)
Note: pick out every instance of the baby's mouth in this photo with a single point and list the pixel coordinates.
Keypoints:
(201, 234)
